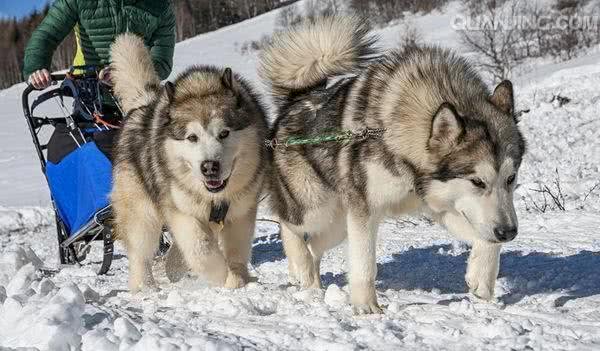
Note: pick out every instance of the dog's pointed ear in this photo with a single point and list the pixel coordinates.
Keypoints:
(228, 82)
(446, 127)
(170, 91)
(227, 78)
(503, 97)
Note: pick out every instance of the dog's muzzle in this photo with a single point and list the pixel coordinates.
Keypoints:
(215, 186)
(505, 234)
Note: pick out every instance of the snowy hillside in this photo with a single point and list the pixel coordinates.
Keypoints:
(548, 293)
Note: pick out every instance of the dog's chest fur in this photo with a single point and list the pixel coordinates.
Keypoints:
(200, 207)
(388, 193)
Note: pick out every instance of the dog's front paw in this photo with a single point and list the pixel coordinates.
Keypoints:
(307, 276)
(236, 280)
(310, 281)
(369, 308)
(364, 299)
(484, 291)
(141, 281)
(217, 276)
(212, 268)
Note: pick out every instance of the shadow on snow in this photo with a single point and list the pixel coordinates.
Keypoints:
(433, 267)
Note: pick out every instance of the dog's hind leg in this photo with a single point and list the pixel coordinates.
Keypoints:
(319, 243)
(236, 242)
(300, 261)
(362, 240)
(482, 269)
(199, 247)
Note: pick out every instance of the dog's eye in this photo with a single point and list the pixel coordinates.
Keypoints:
(224, 134)
(511, 180)
(192, 138)
(478, 183)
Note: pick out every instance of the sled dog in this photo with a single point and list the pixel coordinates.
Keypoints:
(190, 157)
(449, 148)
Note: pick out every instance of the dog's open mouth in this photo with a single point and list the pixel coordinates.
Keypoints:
(215, 186)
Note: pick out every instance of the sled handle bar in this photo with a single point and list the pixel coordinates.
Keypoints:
(29, 118)
(54, 77)
(57, 77)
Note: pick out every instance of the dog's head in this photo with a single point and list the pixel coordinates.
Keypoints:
(477, 157)
(211, 132)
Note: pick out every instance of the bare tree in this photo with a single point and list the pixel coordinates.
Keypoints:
(552, 198)
(492, 39)
(289, 16)
(410, 37)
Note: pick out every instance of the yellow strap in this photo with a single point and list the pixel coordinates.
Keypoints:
(79, 59)
(217, 227)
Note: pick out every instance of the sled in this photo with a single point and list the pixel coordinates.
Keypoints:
(76, 161)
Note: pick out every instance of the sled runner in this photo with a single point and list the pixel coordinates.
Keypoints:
(76, 159)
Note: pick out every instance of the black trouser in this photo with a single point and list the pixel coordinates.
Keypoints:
(61, 142)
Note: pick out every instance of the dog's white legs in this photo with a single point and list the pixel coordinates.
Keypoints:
(236, 241)
(300, 261)
(198, 247)
(142, 239)
(138, 224)
(482, 269)
(362, 239)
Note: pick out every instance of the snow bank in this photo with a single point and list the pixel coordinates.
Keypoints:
(34, 312)
(24, 219)
(563, 141)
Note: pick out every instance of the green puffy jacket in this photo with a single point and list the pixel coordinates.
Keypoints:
(97, 23)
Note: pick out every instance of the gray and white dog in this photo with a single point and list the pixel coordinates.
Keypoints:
(190, 156)
(450, 149)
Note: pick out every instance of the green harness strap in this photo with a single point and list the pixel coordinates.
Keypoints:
(342, 136)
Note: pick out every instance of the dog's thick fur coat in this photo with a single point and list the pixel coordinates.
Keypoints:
(451, 149)
(185, 149)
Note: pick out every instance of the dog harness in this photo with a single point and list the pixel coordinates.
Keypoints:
(218, 212)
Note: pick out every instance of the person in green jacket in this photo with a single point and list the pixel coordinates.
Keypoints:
(97, 23)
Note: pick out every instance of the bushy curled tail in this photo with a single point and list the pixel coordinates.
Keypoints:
(307, 54)
(133, 74)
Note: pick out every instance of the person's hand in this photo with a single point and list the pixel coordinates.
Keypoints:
(105, 76)
(40, 79)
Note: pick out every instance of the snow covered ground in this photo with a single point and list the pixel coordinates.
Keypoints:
(548, 293)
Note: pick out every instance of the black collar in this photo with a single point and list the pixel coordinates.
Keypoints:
(218, 212)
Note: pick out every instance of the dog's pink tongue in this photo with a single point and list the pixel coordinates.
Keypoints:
(214, 183)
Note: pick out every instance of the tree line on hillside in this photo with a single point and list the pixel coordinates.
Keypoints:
(193, 17)
(378, 12)
(14, 35)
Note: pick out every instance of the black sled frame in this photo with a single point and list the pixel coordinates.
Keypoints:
(71, 249)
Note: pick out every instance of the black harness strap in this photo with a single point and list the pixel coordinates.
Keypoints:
(218, 212)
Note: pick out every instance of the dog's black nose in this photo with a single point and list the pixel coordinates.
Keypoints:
(210, 168)
(505, 234)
